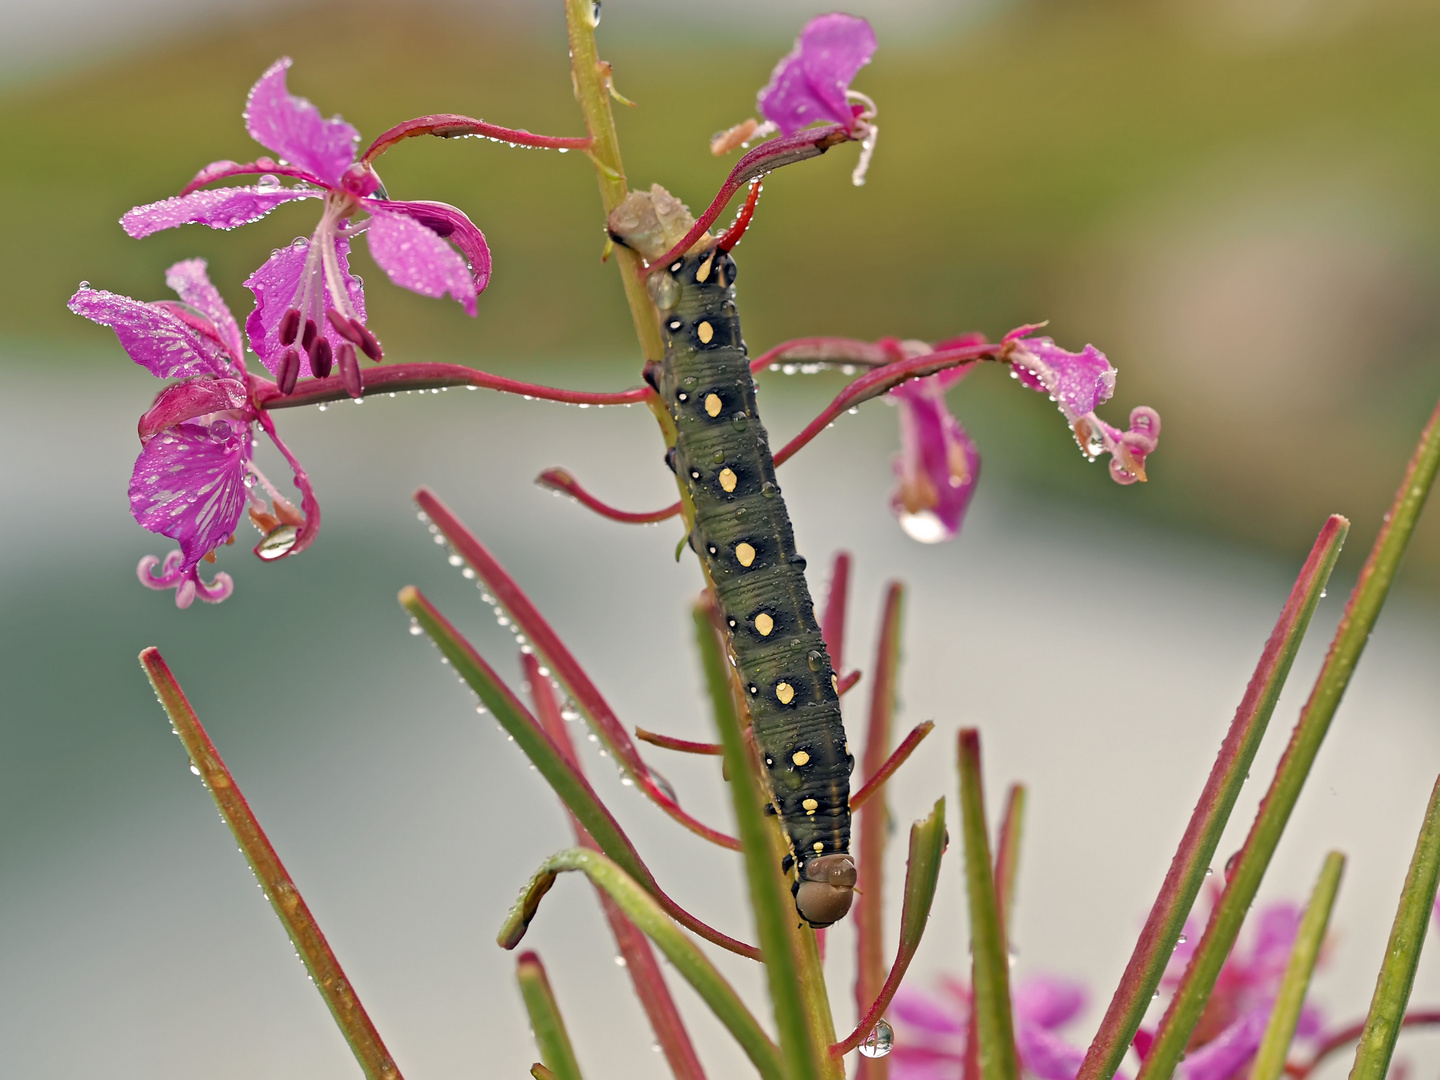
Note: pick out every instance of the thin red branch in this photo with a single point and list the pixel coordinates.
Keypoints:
(509, 595)
(893, 762)
(1348, 1034)
(767, 157)
(829, 350)
(560, 480)
(742, 220)
(453, 125)
(634, 946)
(847, 682)
(832, 623)
(393, 378)
(685, 746)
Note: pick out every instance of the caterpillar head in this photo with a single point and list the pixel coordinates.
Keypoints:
(652, 222)
(825, 889)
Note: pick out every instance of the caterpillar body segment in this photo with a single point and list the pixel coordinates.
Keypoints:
(743, 533)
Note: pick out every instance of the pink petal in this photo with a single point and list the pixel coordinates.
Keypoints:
(1227, 1054)
(1048, 1000)
(1077, 381)
(192, 284)
(294, 128)
(187, 400)
(220, 208)
(1047, 1055)
(451, 224)
(919, 1010)
(189, 485)
(809, 84)
(155, 339)
(275, 286)
(417, 259)
(938, 463)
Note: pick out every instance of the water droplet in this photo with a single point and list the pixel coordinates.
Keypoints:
(1209, 870)
(620, 962)
(278, 541)
(769, 490)
(415, 629)
(879, 1042)
(195, 768)
(268, 183)
(925, 527)
(455, 560)
(1181, 940)
(740, 422)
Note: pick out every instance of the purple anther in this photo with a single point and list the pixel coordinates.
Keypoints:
(350, 371)
(369, 343)
(289, 327)
(307, 337)
(289, 371)
(343, 326)
(321, 357)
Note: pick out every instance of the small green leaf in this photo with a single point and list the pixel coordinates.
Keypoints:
(545, 1020)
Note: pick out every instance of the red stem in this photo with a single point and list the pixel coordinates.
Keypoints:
(1418, 1018)
(742, 220)
(828, 350)
(567, 668)
(847, 682)
(453, 125)
(685, 746)
(893, 762)
(634, 946)
(393, 378)
(832, 623)
(561, 480)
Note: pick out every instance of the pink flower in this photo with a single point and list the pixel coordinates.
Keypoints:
(931, 1030)
(310, 310)
(195, 473)
(1079, 383)
(938, 464)
(812, 82)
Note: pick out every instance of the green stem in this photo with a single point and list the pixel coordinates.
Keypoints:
(545, 1020)
(1285, 1017)
(774, 909)
(645, 913)
(1402, 952)
(993, 1021)
(300, 925)
(592, 91)
(1363, 609)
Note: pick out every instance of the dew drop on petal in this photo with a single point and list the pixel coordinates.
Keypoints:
(924, 527)
(879, 1042)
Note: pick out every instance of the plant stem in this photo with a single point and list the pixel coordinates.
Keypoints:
(1197, 846)
(1402, 952)
(592, 91)
(769, 901)
(1285, 1016)
(991, 1003)
(300, 925)
(1351, 635)
(545, 1019)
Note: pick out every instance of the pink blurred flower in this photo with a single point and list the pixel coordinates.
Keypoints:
(938, 464)
(194, 477)
(310, 310)
(1079, 383)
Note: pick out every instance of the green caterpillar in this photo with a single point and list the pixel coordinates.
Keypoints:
(742, 533)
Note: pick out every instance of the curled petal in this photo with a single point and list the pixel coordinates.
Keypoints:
(1128, 449)
(192, 284)
(293, 128)
(220, 170)
(189, 484)
(451, 223)
(188, 584)
(187, 400)
(938, 464)
(810, 83)
(156, 339)
(276, 285)
(1078, 382)
(1048, 1000)
(220, 208)
(416, 258)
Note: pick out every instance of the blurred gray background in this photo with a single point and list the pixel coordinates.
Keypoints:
(1235, 201)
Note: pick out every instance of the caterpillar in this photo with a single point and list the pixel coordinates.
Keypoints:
(742, 533)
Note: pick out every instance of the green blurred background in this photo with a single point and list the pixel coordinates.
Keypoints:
(1236, 200)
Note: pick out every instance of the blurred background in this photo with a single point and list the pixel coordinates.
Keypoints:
(1238, 201)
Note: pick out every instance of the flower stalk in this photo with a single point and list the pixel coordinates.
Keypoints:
(304, 932)
(545, 1019)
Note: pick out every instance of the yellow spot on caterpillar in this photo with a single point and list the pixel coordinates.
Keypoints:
(810, 806)
(713, 404)
(702, 274)
(727, 479)
(786, 694)
(819, 846)
(800, 757)
(764, 623)
(835, 682)
(745, 553)
(705, 332)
